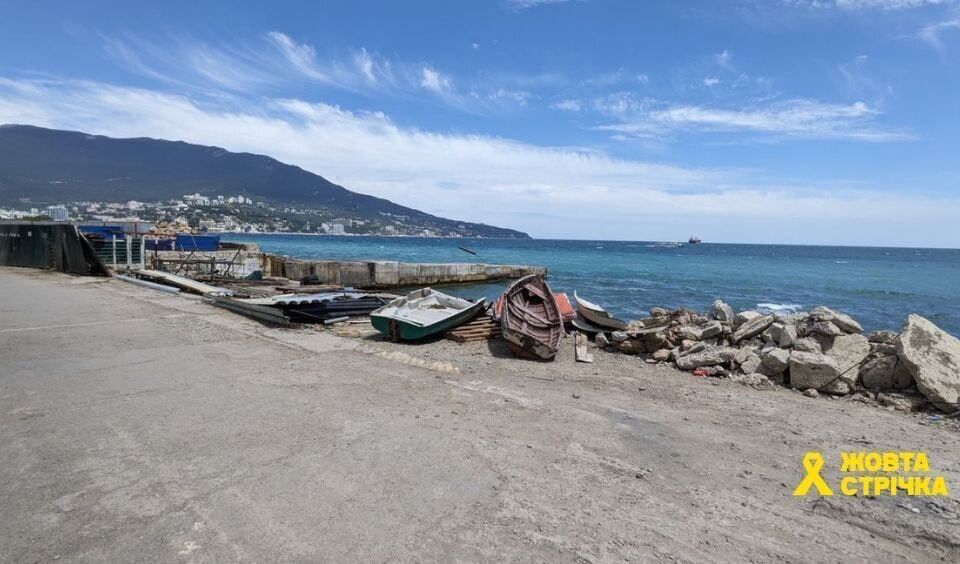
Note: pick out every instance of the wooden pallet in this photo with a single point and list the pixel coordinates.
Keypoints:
(481, 328)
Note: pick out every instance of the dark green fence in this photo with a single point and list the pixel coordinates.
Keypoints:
(113, 251)
(50, 245)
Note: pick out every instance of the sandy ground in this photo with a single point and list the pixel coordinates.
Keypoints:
(136, 425)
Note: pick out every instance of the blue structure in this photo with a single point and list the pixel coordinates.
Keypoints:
(106, 231)
(197, 243)
(159, 244)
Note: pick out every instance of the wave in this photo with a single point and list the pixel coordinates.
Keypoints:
(778, 308)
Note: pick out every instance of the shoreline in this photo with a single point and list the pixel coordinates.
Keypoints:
(616, 460)
(880, 286)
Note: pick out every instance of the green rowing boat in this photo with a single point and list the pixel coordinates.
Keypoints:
(423, 313)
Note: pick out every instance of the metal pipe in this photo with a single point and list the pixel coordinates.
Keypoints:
(146, 284)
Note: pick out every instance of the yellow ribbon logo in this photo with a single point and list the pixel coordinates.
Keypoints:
(812, 463)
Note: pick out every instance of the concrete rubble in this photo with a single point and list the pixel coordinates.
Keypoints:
(932, 357)
(823, 351)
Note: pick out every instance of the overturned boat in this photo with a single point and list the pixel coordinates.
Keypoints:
(530, 319)
(597, 316)
(423, 313)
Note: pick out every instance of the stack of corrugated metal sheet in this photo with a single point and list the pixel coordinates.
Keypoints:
(316, 308)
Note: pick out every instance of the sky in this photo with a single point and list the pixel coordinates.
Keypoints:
(757, 121)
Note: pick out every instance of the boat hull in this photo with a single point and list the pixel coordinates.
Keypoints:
(587, 327)
(401, 330)
(530, 319)
(596, 315)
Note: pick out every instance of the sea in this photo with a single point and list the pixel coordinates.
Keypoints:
(877, 286)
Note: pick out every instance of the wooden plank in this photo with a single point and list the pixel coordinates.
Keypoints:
(581, 345)
(183, 282)
(481, 328)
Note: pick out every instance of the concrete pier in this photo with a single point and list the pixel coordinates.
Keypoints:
(358, 274)
(393, 274)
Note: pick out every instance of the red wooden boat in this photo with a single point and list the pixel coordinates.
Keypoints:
(530, 319)
(567, 313)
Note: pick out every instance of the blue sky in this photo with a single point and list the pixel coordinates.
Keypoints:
(780, 121)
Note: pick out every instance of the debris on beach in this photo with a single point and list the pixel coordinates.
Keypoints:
(480, 328)
(822, 351)
(182, 282)
(325, 306)
(581, 351)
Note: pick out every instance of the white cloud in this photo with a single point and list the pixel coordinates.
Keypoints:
(621, 104)
(711, 81)
(303, 57)
(621, 76)
(433, 80)
(567, 105)
(933, 33)
(525, 4)
(514, 97)
(279, 60)
(549, 191)
(796, 118)
(855, 5)
(723, 58)
(886, 4)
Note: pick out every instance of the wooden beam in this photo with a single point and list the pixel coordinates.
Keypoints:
(581, 349)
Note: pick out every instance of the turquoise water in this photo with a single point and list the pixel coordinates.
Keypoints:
(878, 286)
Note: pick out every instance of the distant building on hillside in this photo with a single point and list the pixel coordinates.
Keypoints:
(196, 199)
(58, 213)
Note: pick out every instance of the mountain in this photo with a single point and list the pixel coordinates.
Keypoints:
(54, 166)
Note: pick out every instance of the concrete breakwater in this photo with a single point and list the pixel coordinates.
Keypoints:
(357, 274)
(392, 274)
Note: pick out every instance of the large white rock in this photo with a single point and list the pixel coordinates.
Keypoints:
(711, 329)
(788, 336)
(813, 327)
(843, 321)
(885, 372)
(933, 358)
(848, 350)
(700, 332)
(774, 362)
(710, 356)
(721, 311)
(750, 363)
(807, 344)
(753, 327)
(744, 316)
(816, 371)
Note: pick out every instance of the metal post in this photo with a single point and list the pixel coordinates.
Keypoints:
(129, 240)
(114, 238)
(143, 253)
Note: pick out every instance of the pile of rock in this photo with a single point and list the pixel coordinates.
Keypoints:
(822, 350)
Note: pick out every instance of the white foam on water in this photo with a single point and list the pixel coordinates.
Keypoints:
(779, 308)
